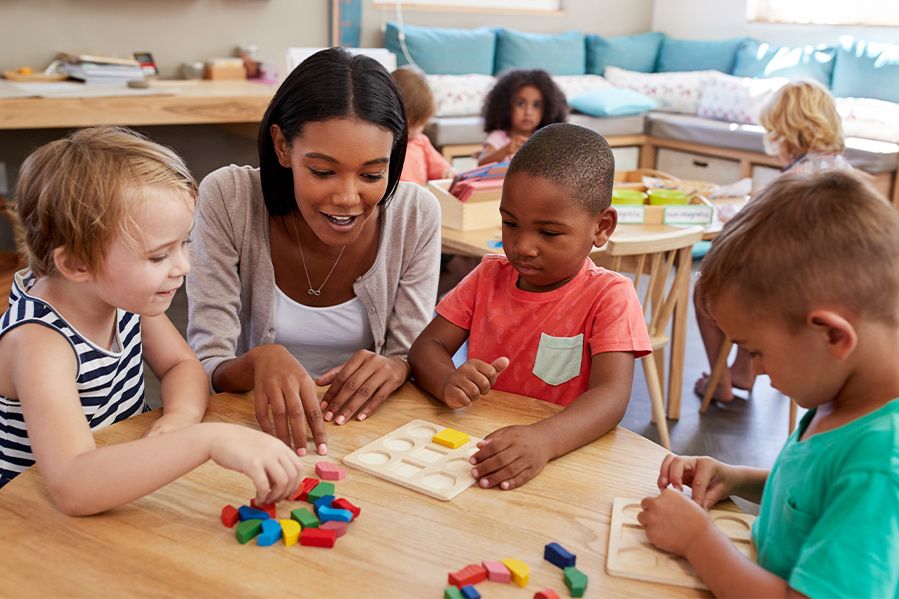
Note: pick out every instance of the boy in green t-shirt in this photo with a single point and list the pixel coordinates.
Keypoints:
(806, 278)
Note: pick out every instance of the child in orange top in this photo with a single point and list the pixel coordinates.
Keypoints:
(543, 321)
(521, 102)
(423, 163)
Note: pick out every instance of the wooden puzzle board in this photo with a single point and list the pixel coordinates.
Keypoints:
(631, 555)
(408, 457)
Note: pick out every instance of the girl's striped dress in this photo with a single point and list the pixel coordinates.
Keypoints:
(110, 383)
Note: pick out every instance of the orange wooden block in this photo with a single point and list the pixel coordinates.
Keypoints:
(302, 492)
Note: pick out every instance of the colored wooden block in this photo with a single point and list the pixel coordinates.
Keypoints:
(496, 571)
(316, 537)
(327, 514)
(325, 501)
(271, 533)
(452, 592)
(450, 437)
(520, 570)
(469, 592)
(306, 518)
(290, 531)
(546, 594)
(558, 555)
(329, 471)
(303, 490)
(250, 513)
(268, 508)
(337, 526)
(320, 490)
(246, 530)
(575, 580)
(470, 574)
(344, 504)
(230, 516)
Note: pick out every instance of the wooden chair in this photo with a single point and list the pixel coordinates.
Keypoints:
(658, 254)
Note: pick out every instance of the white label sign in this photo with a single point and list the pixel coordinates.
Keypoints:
(630, 215)
(687, 215)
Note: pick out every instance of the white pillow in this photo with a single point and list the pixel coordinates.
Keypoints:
(869, 118)
(578, 85)
(460, 95)
(673, 92)
(736, 99)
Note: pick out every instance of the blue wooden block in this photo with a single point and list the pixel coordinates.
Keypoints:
(271, 532)
(469, 592)
(245, 512)
(558, 555)
(326, 514)
(324, 501)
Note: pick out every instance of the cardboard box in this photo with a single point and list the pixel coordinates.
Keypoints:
(481, 211)
(219, 69)
(698, 212)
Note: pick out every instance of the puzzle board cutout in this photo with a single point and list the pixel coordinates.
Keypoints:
(408, 457)
(631, 555)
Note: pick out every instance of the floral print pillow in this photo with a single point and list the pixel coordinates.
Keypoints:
(673, 92)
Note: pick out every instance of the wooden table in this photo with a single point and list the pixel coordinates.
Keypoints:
(189, 103)
(172, 543)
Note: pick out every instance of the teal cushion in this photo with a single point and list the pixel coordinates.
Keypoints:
(698, 55)
(867, 70)
(439, 51)
(559, 54)
(631, 52)
(757, 59)
(612, 101)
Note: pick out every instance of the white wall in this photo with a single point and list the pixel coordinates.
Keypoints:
(707, 19)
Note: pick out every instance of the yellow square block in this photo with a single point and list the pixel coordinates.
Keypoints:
(290, 530)
(450, 437)
(520, 570)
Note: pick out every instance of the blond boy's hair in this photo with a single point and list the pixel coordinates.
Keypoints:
(73, 193)
(809, 240)
(418, 100)
(803, 117)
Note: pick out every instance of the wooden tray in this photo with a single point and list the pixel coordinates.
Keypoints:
(34, 77)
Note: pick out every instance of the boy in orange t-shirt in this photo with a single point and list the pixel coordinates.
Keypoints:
(543, 321)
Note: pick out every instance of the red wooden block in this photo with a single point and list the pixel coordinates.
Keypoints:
(470, 574)
(268, 508)
(302, 491)
(318, 537)
(337, 526)
(344, 504)
(546, 594)
(230, 516)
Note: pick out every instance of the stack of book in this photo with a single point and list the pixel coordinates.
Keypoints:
(480, 184)
(100, 69)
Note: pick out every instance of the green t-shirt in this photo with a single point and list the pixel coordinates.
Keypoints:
(829, 519)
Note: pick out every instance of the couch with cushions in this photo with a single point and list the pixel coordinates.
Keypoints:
(685, 106)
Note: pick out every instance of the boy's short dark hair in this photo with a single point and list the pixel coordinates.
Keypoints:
(810, 239)
(572, 157)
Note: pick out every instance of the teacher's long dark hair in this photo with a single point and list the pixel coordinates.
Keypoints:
(329, 84)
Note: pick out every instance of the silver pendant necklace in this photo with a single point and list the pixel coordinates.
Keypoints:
(312, 290)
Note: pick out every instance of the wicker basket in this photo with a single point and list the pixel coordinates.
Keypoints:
(634, 179)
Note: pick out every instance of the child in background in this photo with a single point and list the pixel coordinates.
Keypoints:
(805, 278)
(804, 130)
(423, 163)
(521, 102)
(543, 321)
(107, 215)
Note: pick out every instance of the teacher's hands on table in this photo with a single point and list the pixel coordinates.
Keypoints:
(509, 457)
(360, 385)
(284, 388)
(471, 380)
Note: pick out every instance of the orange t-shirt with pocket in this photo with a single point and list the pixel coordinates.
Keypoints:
(548, 337)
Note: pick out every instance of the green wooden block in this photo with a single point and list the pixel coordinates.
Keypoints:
(247, 529)
(576, 581)
(306, 518)
(452, 592)
(320, 490)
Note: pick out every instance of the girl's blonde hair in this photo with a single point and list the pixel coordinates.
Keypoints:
(73, 193)
(418, 100)
(803, 117)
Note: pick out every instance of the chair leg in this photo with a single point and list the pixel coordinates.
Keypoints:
(793, 407)
(653, 383)
(717, 370)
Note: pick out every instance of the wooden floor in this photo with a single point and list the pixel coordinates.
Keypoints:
(743, 432)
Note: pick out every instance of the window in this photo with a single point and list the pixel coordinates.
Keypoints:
(824, 12)
(479, 5)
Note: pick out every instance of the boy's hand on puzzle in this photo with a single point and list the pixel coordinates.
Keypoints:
(273, 467)
(673, 522)
(710, 480)
(471, 380)
(509, 457)
(171, 422)
(360, 385)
